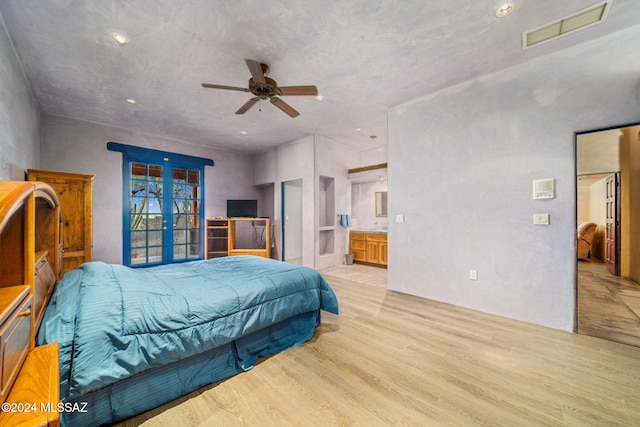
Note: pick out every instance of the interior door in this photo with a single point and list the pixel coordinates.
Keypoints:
(612, 232)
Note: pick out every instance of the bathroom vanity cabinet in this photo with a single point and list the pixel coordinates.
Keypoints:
(369, 247)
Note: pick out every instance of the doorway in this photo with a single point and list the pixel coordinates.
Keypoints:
(608, 200)
(162, 206)
(165, 210)
(292, 221)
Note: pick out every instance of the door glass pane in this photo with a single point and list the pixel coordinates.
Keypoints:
(155, 254)
(145, 213)
(138, 256)
(186, 213)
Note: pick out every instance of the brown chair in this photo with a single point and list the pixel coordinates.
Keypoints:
(586, 231)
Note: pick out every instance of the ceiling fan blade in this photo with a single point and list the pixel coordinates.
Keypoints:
(284, 107)
(211, 86)
(256, 71)
(298, 91)
(250, 103)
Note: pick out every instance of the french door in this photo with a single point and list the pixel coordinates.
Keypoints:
(163, 206)
(164, 214)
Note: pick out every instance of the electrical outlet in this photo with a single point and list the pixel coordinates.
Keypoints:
(473, 274)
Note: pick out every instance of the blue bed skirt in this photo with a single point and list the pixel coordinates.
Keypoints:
(157, 386)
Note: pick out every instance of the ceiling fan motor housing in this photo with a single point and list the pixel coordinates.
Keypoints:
(264, 91)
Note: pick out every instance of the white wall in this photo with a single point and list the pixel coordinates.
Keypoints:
(461, 166)
(597, 205)
(333, 160)
(288, 162)
(19, 115)
(374, 156)
(292, 215)
(308, 159)
(74, 146)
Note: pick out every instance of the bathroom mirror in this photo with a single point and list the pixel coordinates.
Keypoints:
(381, 204)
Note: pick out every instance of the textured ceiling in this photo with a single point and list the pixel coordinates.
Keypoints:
(364, 56)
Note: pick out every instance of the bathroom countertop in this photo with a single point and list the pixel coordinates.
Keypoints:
(371, 231)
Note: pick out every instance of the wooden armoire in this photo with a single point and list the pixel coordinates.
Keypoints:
(75, 192)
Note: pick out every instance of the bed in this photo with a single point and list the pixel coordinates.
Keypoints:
(133, 339)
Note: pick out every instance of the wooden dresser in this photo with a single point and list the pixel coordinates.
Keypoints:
(30, 266)
(75, 192)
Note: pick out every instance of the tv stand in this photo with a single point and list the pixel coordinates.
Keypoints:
(238, 236)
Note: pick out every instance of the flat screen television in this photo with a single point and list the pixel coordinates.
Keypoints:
(242, 208)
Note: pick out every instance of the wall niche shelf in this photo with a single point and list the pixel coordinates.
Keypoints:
(326, 215)
(327, 242)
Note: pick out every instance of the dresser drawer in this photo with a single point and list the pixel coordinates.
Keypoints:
(358, 245)
(359, 256)
(15, 334)
(375, 237)
(357, 236)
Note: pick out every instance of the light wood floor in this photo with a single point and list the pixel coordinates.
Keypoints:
(391, 359)
(608, 306)
(364, 274)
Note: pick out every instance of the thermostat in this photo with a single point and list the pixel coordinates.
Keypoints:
(543, 189)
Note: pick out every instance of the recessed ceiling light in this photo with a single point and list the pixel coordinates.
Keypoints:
(120, 38)
(320, 97)
(505, 10)
(131, 101)
(244, 132)
(358, 129)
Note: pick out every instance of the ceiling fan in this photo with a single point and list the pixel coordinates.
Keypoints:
(263, 88)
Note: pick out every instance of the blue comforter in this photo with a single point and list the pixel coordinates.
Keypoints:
(113, 321)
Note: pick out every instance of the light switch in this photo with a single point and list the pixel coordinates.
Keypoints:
(400, 218)
(541, 219)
